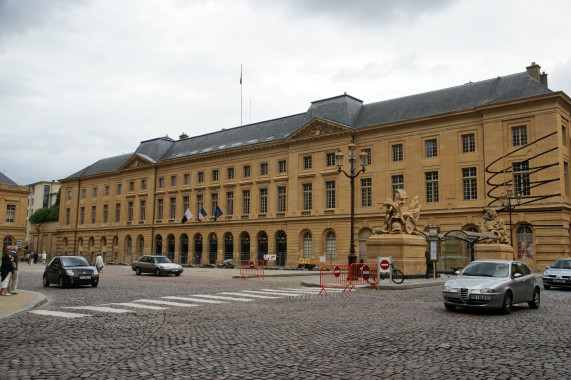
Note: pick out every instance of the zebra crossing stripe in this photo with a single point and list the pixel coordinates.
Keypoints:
(139, 306)
(168, 303)
(192, 299)
(63, 314)
(223, 298)
(286, 291)
(249, 295)
(103, 309)
(275, 293)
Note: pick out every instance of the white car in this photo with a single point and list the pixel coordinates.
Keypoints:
(558, 274)
(158, 265)
(493, 284)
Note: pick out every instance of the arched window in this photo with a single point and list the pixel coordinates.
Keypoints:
(524, 236)
(141, 245)
(307, 245)
(330, 244)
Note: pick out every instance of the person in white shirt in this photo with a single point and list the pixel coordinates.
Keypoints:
(99, 262)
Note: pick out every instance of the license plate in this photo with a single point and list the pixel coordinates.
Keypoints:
(559, 281)
(84, 277)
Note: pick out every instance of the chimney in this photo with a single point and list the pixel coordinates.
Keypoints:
(543, 79)
(183, 136)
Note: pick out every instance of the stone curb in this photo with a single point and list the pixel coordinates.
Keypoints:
(38, 301)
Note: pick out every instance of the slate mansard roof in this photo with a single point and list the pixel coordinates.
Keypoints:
(344, 110)
(4, 179)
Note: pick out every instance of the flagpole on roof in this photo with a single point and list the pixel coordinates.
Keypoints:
(240, 94)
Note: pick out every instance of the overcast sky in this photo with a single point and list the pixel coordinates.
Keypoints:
(86, 79)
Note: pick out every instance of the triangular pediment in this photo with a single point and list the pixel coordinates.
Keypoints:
(136, 162)
(317, 128)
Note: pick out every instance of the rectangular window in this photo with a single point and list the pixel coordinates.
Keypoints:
(69, 194)
(131, 186)
(263, 201)
(282, 200)
(199, 202)
(468, 143)
(397, 152)
(566, 177)
(366, 192)
(67, 216)
(95, 192)
(106, 190)
(246, 171)
(431, 187)
(130, 207)
(215, 175)
(230, 173)
(105, 213)
(307, 201)
(83, 193)
(46, 196)
(369, 155)
(143, 184)
(521, 178)
(431, 148)
(161, 182)
(397, 182)
(264, 168)
(307, 162)
(187, 179)
(143, 210)
(330, 159)
(330, 194)
(282, 166)
(10, 213)
(200, 177)
(214, 198)
(245, 201)
(117, 212)
(119, 188)
(469, 184)
(93, 214)
(172, 213)
(564, 134)
(82, 215)
(173, 180)
(519, 135)
(160, 207)
(230, 203)
(185, 203)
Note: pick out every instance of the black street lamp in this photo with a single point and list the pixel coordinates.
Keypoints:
(510, 201)
(352, 175)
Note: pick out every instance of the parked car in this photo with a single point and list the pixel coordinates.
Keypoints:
(558, 274)
(159, 265)
(70, 271)
(492, 284)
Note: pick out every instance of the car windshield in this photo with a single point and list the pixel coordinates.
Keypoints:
(486, 270)
(562, 264)
(74, 262)
(163, 260)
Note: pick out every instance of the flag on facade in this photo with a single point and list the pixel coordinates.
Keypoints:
(240, 75)
(201, 214)
(217, 213)
(187, 215)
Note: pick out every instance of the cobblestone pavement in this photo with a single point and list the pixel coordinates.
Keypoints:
(368, 334)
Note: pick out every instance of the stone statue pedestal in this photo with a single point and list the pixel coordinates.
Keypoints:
(407, 250)
(493, 251)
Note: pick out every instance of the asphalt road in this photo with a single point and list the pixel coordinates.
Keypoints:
(298, 335)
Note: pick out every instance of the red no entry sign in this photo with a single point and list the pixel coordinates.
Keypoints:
(366, 272)
(384, 264)
(337, 271)
(251, 265)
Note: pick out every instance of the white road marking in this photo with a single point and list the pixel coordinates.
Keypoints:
(103, 309)
(192, 299)
(58, 314)
(168, 303)
(223, 298)
(275, 293)
(250, 295)
(139, 306)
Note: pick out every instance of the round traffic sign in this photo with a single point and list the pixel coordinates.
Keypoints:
(366, 272)
(337, 271)
(251, 265)
(384, 264)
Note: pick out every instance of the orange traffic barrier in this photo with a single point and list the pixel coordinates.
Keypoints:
(364, 274)
(252, 268)
(334, 276)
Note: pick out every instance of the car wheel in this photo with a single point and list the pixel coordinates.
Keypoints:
(546, 287)
(138, 271)
(45, 281)
(449, 307)
(94, 284)
(534, 303)
(177, 274)
(507, 305)
(157, 272)
(61, 282)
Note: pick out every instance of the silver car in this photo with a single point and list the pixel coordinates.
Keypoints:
(558, 274)
(494, 284)
(158, 265)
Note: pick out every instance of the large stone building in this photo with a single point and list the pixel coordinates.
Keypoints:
(13, 200)
(281, 194)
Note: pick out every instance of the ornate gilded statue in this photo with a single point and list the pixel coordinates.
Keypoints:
(401, 218)
(492, 225)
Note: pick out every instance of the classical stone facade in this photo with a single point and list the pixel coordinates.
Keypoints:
(277, 184)
(13, 201)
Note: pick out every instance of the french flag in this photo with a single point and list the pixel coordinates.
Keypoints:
(201, 214)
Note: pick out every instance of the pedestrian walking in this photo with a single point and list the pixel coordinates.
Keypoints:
(44, 257)
(13, 284)
(30, 258)
(99, 262)
(5, 272)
